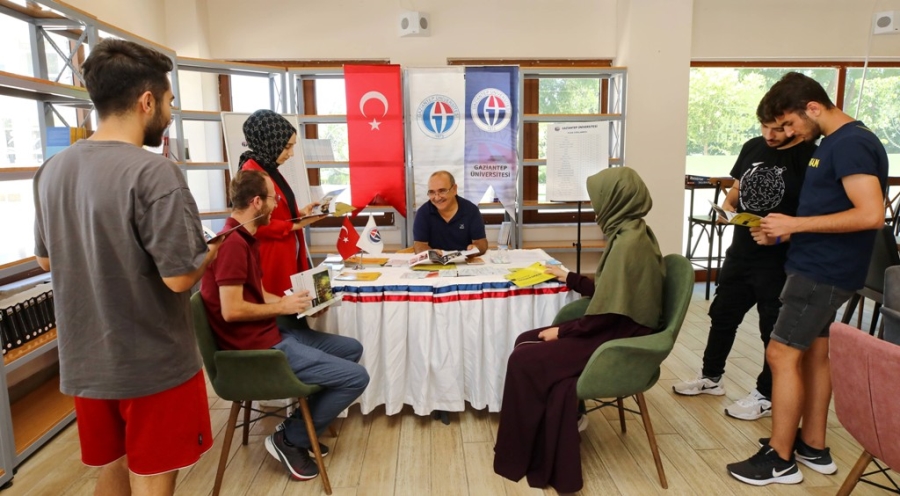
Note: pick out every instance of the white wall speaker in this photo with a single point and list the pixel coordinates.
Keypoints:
(413, 23)
(887, 22)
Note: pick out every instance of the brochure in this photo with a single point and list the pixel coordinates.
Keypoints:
(327, 205)
(529, 276)
(745, 219)
(318, 282)
(357, 276)
(366, 260)
(434, 257)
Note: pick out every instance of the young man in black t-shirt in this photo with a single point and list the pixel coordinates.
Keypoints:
(768, 175)
(832, 236)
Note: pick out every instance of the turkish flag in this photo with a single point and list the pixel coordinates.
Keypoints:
(375, 133)
(347, 239)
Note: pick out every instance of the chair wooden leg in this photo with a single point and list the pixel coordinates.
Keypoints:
(247, 406)
(855, 473)
(645, 416)
(712, 239)
(314, 443)
(226, 445)
(859, 314)
(875, 313)
(621, 413)
(850, 308)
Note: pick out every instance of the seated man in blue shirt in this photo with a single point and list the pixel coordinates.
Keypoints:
(447, 221)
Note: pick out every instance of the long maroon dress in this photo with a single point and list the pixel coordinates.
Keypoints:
(538, 435)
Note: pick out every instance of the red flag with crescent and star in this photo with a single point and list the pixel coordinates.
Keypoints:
(375, 133)
(347, 239)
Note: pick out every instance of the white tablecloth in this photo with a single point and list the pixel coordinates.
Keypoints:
(436, 343)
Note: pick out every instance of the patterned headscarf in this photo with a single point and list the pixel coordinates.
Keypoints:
(267, 134)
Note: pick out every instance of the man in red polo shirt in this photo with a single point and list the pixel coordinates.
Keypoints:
(242, 316)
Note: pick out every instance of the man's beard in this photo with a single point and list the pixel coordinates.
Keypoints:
(815, 129)
(266, 216)
(153, 131)
(783, 142)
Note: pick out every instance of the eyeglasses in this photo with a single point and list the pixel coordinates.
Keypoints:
(276, 196)
(441, 192)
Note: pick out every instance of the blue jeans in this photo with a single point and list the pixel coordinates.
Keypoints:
(326, 360)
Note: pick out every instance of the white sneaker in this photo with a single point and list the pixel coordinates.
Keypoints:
(754, 406)
(582, 422)
(702, 385)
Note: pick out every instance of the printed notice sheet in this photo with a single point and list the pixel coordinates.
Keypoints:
(575, 150)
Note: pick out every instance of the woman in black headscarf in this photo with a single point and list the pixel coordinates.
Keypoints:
(271, 139)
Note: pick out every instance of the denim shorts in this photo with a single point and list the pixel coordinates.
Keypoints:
(807, 310)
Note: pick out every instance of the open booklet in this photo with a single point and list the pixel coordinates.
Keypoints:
(327, 205)
(745, 219)
(318, 282)
(435, 257)
(211, 237)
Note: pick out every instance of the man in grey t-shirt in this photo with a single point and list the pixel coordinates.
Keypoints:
(125, 240)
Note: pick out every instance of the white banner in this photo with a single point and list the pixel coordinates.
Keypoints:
(574, 152)
(437, 126)
(294, 170)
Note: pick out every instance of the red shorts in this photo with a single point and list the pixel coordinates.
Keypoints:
(158, 433)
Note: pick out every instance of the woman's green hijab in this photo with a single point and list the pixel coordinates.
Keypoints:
(629, 279)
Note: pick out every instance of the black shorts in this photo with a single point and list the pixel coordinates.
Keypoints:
(807, 310)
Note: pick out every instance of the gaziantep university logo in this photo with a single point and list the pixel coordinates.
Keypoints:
(438, 116)
(491, 110)
(374, 236)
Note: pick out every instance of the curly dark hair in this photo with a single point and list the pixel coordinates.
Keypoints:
(791, 94)
(118, 72)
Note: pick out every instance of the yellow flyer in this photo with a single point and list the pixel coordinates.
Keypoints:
(529, 276)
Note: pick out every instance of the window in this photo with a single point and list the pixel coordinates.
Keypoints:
(16, 54)
(249, 93)
(574, 95)
(879, 108)
(17, 220)
(330, 100)
(724, 96)
(562, 96)
(722, 111)
(322, 96)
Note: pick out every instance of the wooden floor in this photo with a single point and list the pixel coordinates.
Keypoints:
(409, 455)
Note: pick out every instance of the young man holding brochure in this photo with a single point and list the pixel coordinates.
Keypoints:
(242, 316)
(768, 175)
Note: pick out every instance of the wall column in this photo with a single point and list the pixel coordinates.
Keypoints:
(654, 43)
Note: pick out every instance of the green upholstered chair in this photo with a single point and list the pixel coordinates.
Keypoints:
(630, 366)
(243, 377)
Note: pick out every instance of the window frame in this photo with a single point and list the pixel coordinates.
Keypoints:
(310, 131)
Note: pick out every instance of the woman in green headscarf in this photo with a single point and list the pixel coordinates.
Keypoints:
(538, 434)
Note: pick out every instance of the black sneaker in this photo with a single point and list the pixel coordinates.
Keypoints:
(322, 448)
(766, 467)
(296, 460)
(816, 459)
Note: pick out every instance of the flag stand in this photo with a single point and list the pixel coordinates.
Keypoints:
(577, 243)
(359, 260)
